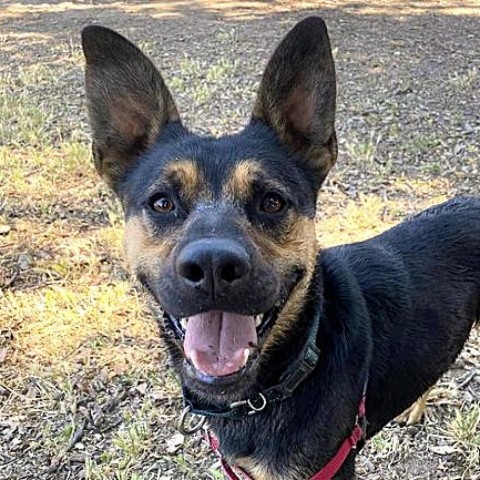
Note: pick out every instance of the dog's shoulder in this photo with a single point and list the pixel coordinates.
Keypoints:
(370, 264)
(364, 281)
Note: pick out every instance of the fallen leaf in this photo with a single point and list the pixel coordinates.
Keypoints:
(174, 443)
(3, 355)
(444, 450)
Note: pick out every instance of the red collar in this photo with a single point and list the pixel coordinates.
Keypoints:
(326, 473)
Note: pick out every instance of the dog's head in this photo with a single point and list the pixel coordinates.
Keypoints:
(220, 231)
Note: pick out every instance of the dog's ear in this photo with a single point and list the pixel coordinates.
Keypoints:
(128, 101)
(297, 96)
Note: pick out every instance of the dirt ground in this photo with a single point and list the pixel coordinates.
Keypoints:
(85, 392)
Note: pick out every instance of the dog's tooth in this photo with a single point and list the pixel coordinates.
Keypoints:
(258, 320)
(246, 354)
(183, 323)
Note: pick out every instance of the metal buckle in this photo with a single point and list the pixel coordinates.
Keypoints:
(189, 429)
(253, 408)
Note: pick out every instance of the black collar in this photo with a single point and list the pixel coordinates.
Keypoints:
(295, 374)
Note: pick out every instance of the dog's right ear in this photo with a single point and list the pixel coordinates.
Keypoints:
(128, 101)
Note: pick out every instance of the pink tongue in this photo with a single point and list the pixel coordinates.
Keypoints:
(215, 342)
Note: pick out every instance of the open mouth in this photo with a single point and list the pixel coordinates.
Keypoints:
(220, 344)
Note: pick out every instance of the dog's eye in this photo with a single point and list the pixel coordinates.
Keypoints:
(272, 203)
(163, 204)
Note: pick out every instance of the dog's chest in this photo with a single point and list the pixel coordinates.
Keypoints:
(260, 471)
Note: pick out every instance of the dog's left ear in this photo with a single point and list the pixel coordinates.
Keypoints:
(297, 96)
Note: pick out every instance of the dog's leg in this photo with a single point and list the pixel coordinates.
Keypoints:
(415, 413)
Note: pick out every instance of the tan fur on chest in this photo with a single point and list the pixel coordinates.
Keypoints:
(258, 471)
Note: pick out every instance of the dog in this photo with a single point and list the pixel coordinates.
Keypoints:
(295, 355)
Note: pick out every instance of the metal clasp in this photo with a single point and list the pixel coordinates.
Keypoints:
(253, 408)
(186, 428)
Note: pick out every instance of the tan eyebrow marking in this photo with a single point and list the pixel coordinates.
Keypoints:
(240, 183)
(187, 174)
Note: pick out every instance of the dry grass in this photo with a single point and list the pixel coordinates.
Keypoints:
(85, 392)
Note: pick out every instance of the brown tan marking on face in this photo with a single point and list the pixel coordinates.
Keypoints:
(144, 250)
(240, 182)
(188, 177)
(145, 253)
(297, 247)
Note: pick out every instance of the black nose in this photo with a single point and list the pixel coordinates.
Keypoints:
(213, 265)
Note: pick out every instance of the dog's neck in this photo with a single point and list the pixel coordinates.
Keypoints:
(327, 401)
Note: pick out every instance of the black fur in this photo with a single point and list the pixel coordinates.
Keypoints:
(399, 306)
(395, 309)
